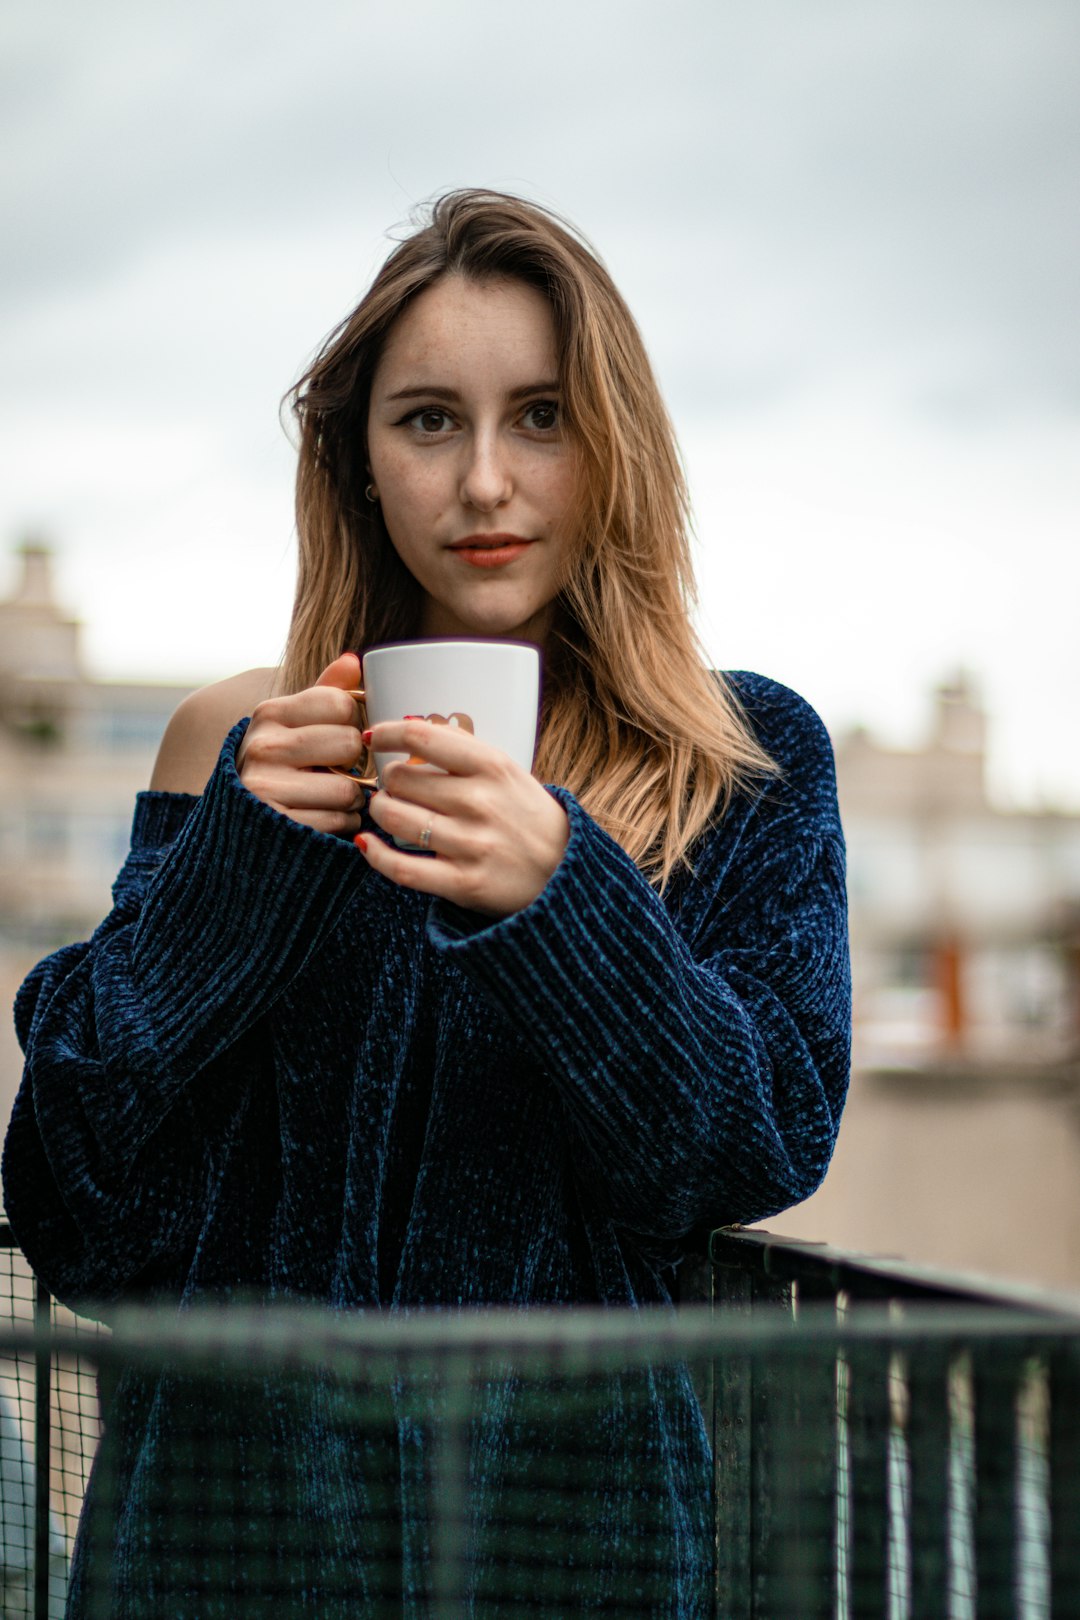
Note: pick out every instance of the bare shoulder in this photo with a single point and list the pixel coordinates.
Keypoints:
(194, 735)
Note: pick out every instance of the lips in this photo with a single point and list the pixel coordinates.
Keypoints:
(490, 550)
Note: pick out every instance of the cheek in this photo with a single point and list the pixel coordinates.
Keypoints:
(388, 468)
(405, 490)
(559, 492)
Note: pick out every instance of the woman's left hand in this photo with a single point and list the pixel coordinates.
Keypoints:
(498, 835)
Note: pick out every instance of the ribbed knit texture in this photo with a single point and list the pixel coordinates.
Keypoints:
(271, 1071)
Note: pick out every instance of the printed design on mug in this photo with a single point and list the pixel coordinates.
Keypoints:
(462, 721)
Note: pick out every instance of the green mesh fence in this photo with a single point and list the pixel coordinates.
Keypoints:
(864, 1463)
(48, 1402)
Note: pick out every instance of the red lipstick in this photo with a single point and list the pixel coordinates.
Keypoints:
(490, 550)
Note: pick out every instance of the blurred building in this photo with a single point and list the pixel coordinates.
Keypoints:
(965, 918)
(960, 1143)
(74, 751)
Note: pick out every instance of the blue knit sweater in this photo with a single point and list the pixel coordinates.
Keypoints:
(271, 1071)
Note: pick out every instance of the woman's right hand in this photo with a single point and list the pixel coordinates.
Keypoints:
(291, 741)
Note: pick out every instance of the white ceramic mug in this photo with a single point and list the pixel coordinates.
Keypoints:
(491, 688)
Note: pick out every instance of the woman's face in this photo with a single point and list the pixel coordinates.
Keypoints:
(469, 458)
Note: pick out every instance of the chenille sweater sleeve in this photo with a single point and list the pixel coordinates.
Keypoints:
(702, 1052)
(219, 905)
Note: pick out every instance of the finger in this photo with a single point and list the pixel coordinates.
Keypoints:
(325, 705)
(409, 822)
(333, 822)
(446, 746)
(309, 790)
(338, 823)
(344, 672)
(438, 878)
(309, 745)
(433, 789)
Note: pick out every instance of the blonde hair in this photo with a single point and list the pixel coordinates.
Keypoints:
(651, 742)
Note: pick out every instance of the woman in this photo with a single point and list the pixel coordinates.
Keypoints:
(301, 1061)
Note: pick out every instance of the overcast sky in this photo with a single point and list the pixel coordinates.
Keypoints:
(849, 230)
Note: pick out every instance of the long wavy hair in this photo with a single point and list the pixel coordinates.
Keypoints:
(652, 743)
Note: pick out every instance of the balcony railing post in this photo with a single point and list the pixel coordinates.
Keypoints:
(733, 1385)
(812, 1550)
(927, 1431)
(42, 1450)
(773, 1441)
(1064, 1471)
(996, 1380)
(868, 1428)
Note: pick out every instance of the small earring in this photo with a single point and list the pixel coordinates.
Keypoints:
(372, 494)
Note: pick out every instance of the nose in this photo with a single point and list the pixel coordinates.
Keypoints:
(486, 480)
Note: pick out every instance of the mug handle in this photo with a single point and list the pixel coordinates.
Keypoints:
(354, 774)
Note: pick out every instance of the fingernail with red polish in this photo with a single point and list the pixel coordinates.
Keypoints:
(366, 735)
(361, 843)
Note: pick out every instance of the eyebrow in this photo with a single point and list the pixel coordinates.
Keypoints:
(429, 391)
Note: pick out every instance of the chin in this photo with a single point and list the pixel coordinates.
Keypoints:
(490, 627)
(531, 630)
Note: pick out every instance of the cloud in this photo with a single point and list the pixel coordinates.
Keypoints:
(785, 192)
(852, 215)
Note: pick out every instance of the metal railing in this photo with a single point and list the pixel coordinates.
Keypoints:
(48, 1408)
(887, 1441)
(930, 1467)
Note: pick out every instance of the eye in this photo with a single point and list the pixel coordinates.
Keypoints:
(542, 416)
(431, 419)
